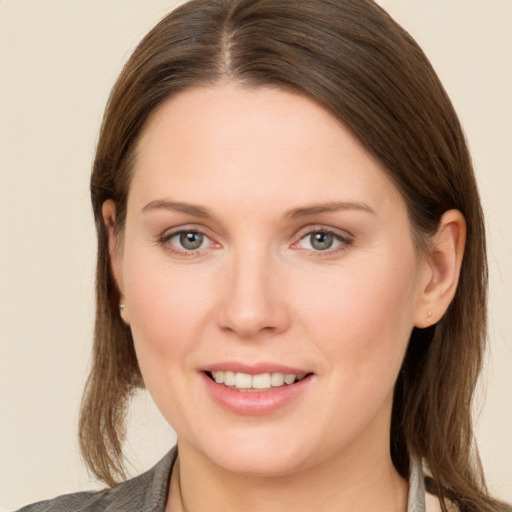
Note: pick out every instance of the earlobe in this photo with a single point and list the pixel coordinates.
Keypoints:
(109, 218)
(441, 269)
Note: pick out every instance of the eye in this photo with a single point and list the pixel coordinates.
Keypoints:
(322, 241)
(186, 241)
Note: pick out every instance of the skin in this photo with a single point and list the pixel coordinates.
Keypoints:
(258, 291)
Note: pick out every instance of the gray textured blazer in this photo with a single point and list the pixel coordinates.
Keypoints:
(148, 493)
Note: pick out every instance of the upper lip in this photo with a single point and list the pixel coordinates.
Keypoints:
(254, 369)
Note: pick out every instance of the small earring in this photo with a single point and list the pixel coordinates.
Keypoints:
(429, 318)
(122, 306)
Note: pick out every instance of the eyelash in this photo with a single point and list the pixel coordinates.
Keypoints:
(165, 239)
(344, 241)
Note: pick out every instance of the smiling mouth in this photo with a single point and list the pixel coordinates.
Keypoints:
(260, 382)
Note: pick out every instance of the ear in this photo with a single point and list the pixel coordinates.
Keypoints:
(441, 269)
(108, 211)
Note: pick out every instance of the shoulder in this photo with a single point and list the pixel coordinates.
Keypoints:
(144, 493)
(80, 501)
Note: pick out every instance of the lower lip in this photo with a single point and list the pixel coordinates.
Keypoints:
(255, 403)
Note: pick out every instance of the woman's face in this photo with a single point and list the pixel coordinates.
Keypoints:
(263, 243)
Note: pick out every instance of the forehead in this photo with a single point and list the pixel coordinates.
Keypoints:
(255, 143)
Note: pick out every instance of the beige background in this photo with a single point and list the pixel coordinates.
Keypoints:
(58, 60)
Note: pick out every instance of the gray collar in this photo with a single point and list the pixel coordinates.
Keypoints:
(416, 501)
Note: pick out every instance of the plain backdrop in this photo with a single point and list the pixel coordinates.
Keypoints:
(58, 61)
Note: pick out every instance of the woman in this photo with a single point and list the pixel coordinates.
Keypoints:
(292, 261)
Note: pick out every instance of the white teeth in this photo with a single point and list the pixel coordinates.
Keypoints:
(241, 380)
(277, 379)
(262, 381)
(229, 378)
(289, 378)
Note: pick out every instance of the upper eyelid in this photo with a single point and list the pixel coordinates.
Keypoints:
(170, 232)
(320, 228)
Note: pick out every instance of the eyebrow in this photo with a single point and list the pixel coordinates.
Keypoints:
(333, 206)
(190, 209)
(296, 213)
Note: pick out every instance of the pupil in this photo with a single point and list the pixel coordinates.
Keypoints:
(191, 240)
(321, 241)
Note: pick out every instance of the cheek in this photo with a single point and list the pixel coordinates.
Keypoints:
(167, 315)
(166, 307)
(364, 321)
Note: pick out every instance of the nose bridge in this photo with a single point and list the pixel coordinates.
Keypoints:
(253, 303)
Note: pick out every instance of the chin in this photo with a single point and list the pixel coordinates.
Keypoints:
(258, 463)
(259, 451)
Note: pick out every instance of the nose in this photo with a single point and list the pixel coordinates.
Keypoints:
(253, 299)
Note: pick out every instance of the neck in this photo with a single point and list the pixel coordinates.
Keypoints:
(351, 483)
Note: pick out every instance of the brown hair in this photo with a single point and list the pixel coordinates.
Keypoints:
(352, 58)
